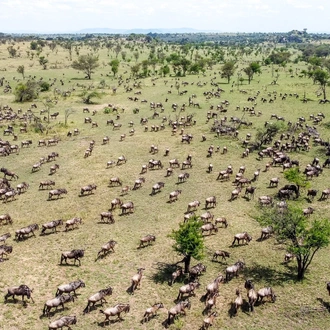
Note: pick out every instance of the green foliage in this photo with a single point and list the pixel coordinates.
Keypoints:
(33, 45)
(44, 86)
(12, 51)
(114, 66)
(21, 70)
(293, 175)
(87, 64)
(189, 239)
(107, 110)
(321, 77)
(26, 91)
(302, 237)
(43, 62)
(278, 57)
(87, 96)
(228, 70)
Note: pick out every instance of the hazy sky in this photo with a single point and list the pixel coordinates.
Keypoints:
(221, 15)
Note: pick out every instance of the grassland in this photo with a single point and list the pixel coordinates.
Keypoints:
(35, 261)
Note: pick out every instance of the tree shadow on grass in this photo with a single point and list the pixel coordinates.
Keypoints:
(269, 275)
(163, 273)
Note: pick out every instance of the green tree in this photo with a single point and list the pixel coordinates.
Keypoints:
(302, 237)
(87, 96)
(43, 62)
(135, 69)
(322, 78)
(114, 66)
(294, 175)
(12, 51)
(189, 241)
(268, 133)
(21, 70)
(252, 69)
(165, 70)
(228, 70)
(26, 91)
(33, 45)
(87, 64)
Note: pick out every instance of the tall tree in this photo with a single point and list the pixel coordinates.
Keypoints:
(228, 70)
(251, 69)
(114, 66)
(321, 77)
(87, 64)
(301, 236)
(189, 241)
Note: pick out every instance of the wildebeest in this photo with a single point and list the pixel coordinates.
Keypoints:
(182, 177)
(115, 181)
(68, 288)
(193, 205)
(176, 274)
(53, 168)
(157, 187)
(136, 280)
(64, 321)
(235, 193)
(108, 216)
(222, 221)
(89, 189)
(121, 160)
(238, 301)
(178, 309)
(22, 187)
(107, 247)
(23, 232)
(245, 237)
(9, 195)
(188, 289)
(265, 200)
(55, 302)
(251, 294)
(266, 232)
(325, 194)
(213, 287)
(127, 208)
(51, 225)
(151, 312)
(209, 227)
(56, 192)
(148, 239)
(5, 249)
(138, 183)
(210, 202)
(220, 253)
(99, 296)
(208, 321)
(311, 193)
(4, 237)
(274, 182)
(233, 270)
(207, 216)
(47, 183)
(116, 310)
(72, 223)
(196, 271)
(174, 195)
(6, 217)
(116, 203)
(266, 292)
(308, 211)
(73, 254)
(22, 290)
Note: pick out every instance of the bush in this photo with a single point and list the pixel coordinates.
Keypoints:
(44, 86)
(107, 110)
(26, 91)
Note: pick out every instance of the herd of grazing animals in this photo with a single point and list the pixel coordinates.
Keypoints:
(128, 207)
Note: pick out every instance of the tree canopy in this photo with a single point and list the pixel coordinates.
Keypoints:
(189, 240)
(87, 64)
(302, 237)
(227, 70)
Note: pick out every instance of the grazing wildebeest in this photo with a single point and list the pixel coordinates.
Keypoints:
(116, 202)
(55, 302)
(209, 227)
(54, 168)
(89, 189)
(157, 187)
(68, 288)
(233, 270)
(266, 292)
(47, 183)
(4, 237)
(51, 225)
(178, 309)
(208, 321)
(22, 187)
(274, 182)
(235, 193)
(121, 160)
(7, 218)
(325, 194)
(266, 232)
(151, 312)
(148, 239)
(210, 202)
(22, 290)
(182, 177)
(107, 247)
(174, 195)
(99, 296)
(56, 192)
(73, 254)
(127, 207)
(220, 253)
(116, 310)
(5, 249)
(188, 289)
(138, 183)
(307, 212)
(311, 193)
(64, 321)
(21, 233)
(265, 200)
(193, 205)
(245, 237)
(115, 181)
(72, 223)
(136, 281)
(108, 216)
(222, 221)
(176, 274)
(251, 294)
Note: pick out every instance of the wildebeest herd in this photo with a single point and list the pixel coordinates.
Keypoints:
(156, 180)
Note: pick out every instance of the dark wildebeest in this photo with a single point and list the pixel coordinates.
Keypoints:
(99, 296)
(22, 290)
(74, 254)
(64, 321)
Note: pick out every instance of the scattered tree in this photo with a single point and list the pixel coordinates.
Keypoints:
(250, 70)
(21, 70)
(228, 70)
(87, 64)
(321, 77)
(294, 175)
(189, 241)
(26, 91)
(114, 66)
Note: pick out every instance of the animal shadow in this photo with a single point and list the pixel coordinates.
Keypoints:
(324, 304)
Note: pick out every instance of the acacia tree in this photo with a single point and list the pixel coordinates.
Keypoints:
(227, 70)
(189, 241)
(301, 236)
(114, 66)
(250, 70)
(21, 70)
(87, 64)
(321, 77)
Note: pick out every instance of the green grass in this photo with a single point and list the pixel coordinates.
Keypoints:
(35, 261)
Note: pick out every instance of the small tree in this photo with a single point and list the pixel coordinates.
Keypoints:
(189, 241)
(67, 113)
(87, 64)
(114, 66)
(43, 62)
(302, 237)
(321, 77)
(227, 70)
(26, 91)
(250, 70)
(21, 70)
(88, 95)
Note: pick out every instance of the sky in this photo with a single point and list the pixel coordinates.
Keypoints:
(59, 16)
